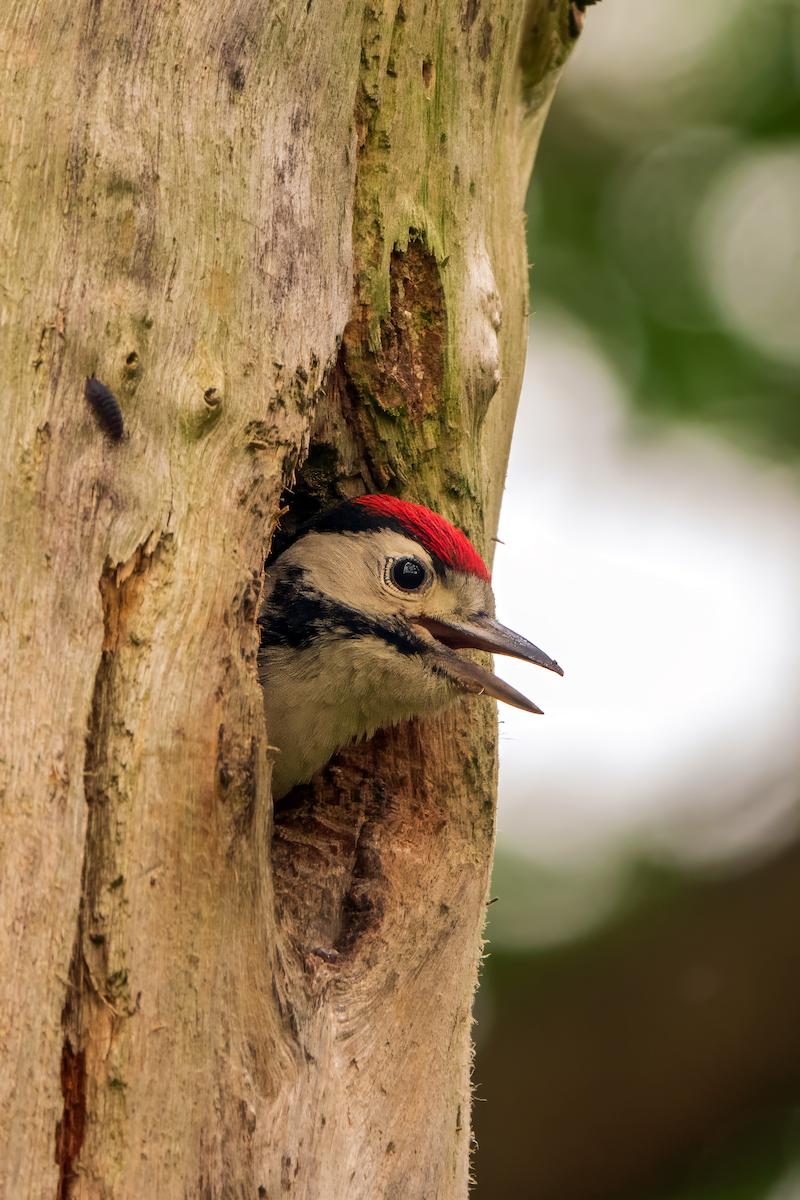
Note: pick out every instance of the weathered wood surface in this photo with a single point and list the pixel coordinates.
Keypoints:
(264, 227)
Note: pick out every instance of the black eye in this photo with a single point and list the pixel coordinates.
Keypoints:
(408, 574)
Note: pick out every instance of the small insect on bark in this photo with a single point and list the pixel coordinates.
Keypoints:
(106, 405)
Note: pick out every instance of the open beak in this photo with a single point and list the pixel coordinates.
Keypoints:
(484, 633)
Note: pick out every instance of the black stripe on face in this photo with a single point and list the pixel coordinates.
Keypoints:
(299, 615)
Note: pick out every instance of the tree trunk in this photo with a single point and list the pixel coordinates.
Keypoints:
(289, 239)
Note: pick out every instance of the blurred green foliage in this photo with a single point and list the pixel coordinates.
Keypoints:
(611, 227)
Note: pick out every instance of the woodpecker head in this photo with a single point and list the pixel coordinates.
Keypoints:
(362, 619)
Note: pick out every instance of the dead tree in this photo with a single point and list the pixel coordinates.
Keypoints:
(288, 239)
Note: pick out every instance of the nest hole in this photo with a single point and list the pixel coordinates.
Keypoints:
(317, 486)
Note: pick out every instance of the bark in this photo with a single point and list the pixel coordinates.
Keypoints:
(289, 239)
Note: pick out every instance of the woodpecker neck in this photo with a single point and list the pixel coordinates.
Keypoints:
(332, 675)
(308, 723)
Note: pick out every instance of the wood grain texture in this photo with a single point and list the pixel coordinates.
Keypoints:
(280, 234)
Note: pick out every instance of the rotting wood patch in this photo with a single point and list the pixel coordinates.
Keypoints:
(407, 373)
(411, 364)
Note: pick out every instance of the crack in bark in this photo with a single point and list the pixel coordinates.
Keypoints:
(92, 987)
(71, 1129)
(237, 786)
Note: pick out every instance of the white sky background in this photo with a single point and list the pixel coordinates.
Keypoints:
(663, 572)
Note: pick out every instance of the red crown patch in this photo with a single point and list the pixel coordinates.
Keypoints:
(436, 534)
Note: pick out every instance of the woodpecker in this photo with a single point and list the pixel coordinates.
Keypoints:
(361, 621)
